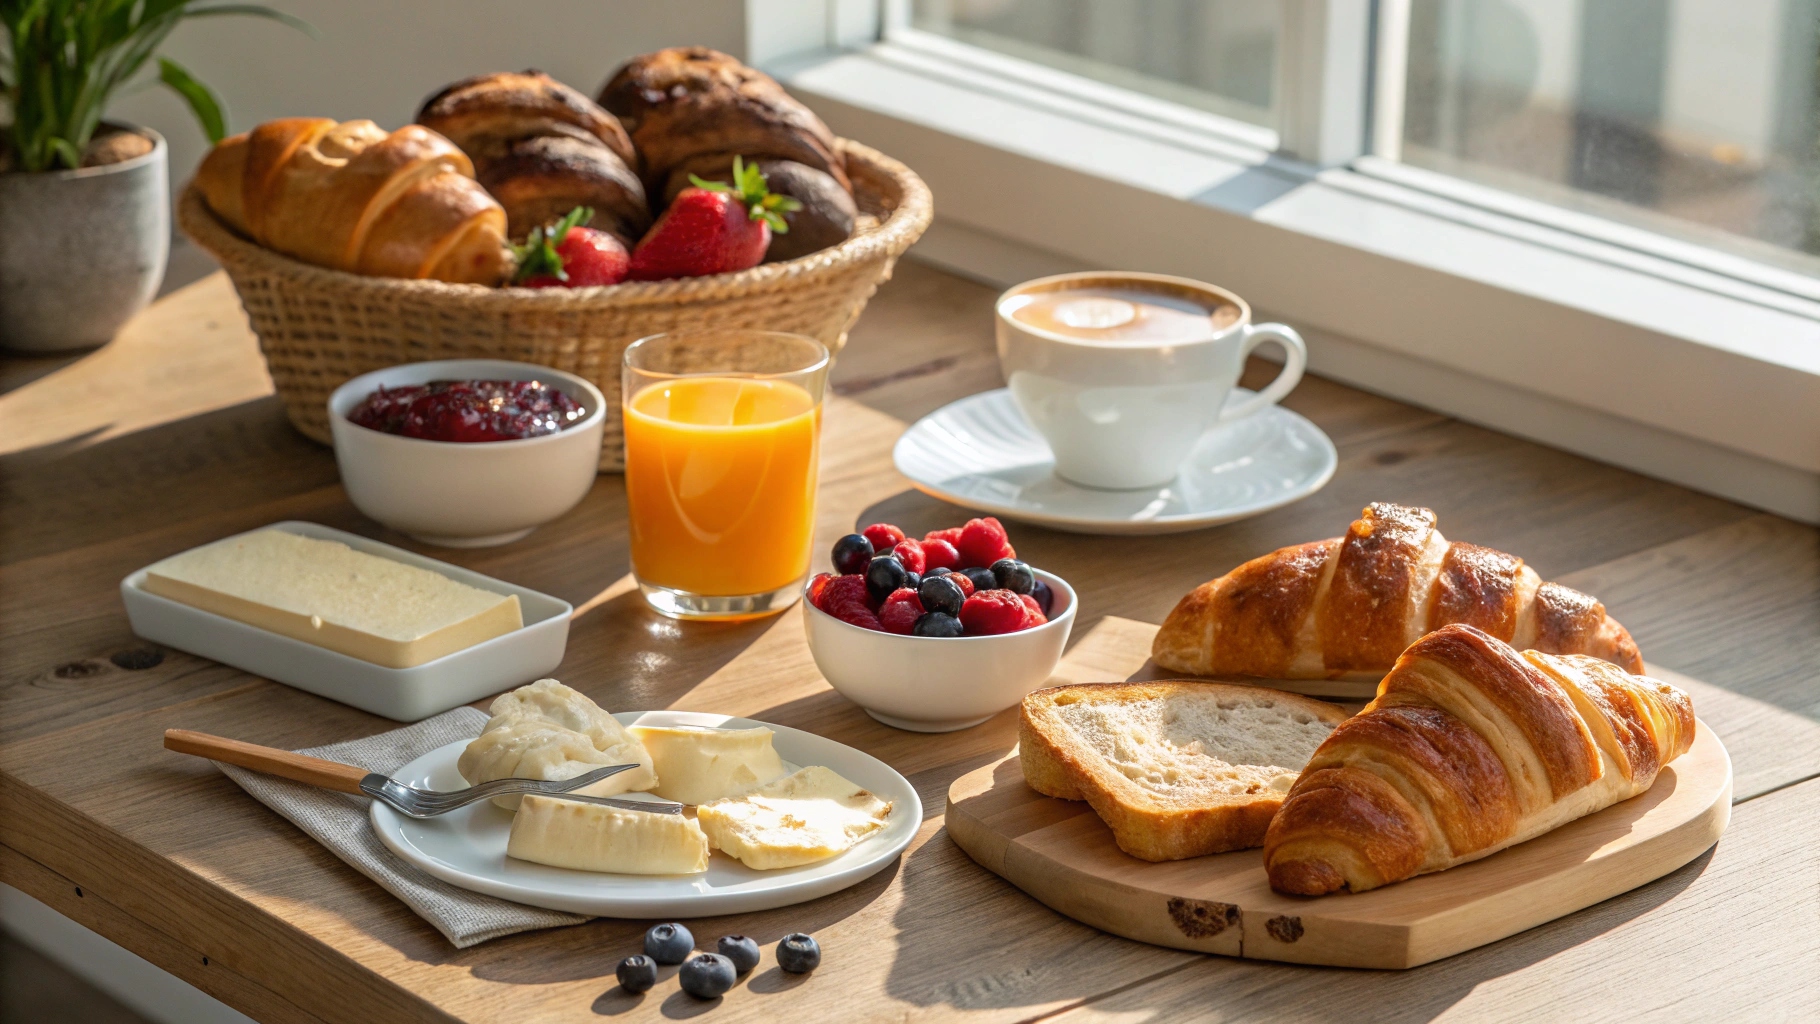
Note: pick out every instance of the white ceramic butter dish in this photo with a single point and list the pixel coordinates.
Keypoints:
(404, 694)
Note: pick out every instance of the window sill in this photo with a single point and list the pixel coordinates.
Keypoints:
(1594, 342)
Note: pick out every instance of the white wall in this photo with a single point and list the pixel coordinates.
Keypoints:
(379, 60)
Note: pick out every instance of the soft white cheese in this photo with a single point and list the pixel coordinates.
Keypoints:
(590, 837)
(801, 818)
(548, 731)
(697, 765)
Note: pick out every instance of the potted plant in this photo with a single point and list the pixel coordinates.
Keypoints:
(84, 204)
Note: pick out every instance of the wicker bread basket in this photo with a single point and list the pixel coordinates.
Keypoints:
(320, 327)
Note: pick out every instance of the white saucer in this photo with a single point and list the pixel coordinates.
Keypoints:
(981, 453)
(467, 847)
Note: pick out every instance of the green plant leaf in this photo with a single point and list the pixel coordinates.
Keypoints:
(202, 101)
(258, 11)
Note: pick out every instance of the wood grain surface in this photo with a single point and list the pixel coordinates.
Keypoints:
(141, 450)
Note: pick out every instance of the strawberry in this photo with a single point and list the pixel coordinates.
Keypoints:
(713, 228)
(567, 255)
(991, 612)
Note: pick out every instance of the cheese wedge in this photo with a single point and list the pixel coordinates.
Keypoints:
(546, 730)
(590, 837)
(697, 765)
(801, 818)
(326, 593)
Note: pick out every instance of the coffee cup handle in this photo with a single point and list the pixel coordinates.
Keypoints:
(1286, 381)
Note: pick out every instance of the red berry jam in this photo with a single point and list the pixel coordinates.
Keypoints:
(469, 410)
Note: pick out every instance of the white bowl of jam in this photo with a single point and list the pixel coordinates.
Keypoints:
(467, 452)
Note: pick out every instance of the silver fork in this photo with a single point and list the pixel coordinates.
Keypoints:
(407, 800)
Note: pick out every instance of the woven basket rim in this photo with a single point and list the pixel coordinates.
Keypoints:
(903, 225)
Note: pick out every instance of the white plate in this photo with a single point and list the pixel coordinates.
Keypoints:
(403, 694)
(467, 847)
(981, 453)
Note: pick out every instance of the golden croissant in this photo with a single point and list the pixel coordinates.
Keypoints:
(354, 197)
(1345, 608)
(1470, 747)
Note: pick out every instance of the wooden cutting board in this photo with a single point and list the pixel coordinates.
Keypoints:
(1062, 854)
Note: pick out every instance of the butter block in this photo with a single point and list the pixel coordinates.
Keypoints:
(799, 819)
(545, 730)
(589, 837)
(697, 765)
(326, 593)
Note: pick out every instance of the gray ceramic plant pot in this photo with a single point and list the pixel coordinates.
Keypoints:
(82, 251)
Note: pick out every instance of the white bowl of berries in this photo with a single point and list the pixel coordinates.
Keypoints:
(938, 634)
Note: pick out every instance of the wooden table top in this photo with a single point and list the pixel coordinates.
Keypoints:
(169, 438)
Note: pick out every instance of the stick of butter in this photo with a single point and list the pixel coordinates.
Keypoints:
(590, 837)
(326, 593)
(801, 818)
(697, 765)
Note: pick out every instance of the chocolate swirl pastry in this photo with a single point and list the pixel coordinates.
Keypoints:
(691, 110)
(542, 149)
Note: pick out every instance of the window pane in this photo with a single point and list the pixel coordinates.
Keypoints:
(1692, 117)
(1217, 55)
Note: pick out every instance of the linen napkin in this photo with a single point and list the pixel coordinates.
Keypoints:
(339, 821)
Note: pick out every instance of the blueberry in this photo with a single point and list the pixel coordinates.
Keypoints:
(937, 570)
(1045, 596)
(940, 595)
(798, 953)
(1013, 575)
(936, 624)
(743, 952)
(851, 553)
(913, 580)
(883, 575)
(637, 973)
(707, 976)
(668, 943)
(982, 579)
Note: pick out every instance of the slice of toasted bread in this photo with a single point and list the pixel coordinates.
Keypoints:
(1177, 769)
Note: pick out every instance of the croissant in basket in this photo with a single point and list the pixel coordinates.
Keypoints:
(354, 197)
(1345, 608)
(542, 149)
(1470, 747)
(691, 110)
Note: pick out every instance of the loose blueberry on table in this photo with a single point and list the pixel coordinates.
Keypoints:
(739, 949)
(707, 976)
(965, 581)
(637, 974)
(798, 953)
(669, 943)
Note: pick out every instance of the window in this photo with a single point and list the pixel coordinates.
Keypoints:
(1215, 55)
(1695, 118)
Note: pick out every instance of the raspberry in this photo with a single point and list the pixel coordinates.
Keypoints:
(991, 612)
(952, 536)
(1037, 617)
(817, 587)
(845, 598)
(940, 554)
(900, 611)
(911, 554)
(883, 536)
(960, 580)
(983, 542)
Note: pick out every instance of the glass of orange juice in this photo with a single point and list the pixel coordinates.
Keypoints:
(723, 431)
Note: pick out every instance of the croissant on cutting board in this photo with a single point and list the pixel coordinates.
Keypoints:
(355, 197)
(1346, 608)
(1470, 747)
(542, 149)
(691, 110)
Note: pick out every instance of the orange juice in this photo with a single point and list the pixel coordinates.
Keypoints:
(720, 483)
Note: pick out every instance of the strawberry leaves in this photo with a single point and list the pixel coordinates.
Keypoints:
(538, 257)
(750, 187)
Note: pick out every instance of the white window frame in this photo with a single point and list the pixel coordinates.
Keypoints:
(1663, 356)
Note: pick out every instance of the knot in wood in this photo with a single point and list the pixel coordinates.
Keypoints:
(1202, 919)
(1284, 929)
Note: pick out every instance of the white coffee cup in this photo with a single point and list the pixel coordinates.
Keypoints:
(1124, 413)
